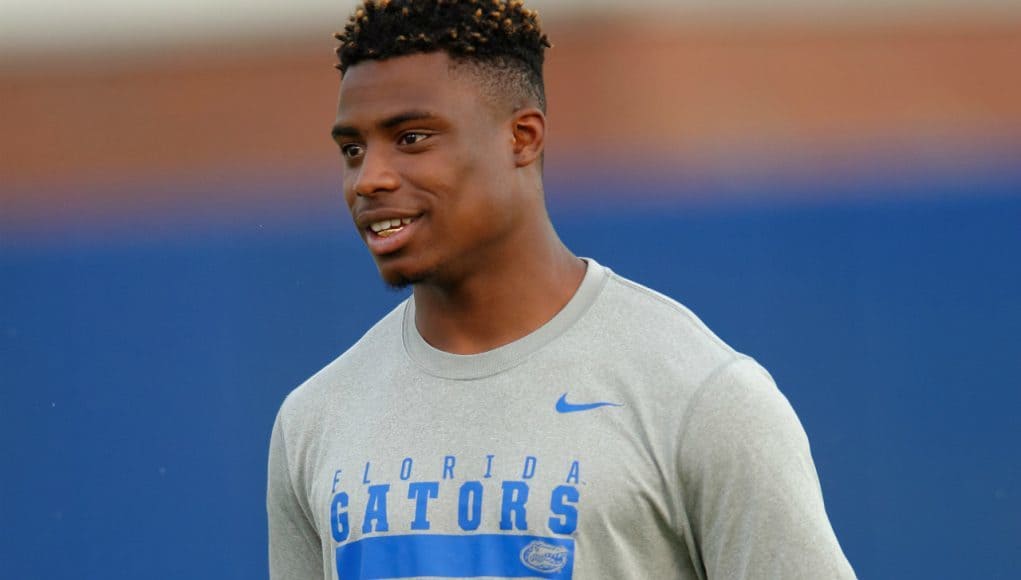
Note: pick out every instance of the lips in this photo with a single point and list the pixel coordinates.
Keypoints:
(386, 232)
(388, 227)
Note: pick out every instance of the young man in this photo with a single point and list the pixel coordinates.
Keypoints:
(526, 413)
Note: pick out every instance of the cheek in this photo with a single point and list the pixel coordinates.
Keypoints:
(479, 174)
(467, 184)
(348, 184)
(442, 178)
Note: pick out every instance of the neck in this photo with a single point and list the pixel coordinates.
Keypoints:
(511, 293)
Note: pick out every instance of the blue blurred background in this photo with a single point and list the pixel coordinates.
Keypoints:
(175, 257)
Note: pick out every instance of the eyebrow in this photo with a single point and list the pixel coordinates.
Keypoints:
(388, 123)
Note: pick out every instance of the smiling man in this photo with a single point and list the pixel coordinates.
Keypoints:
(526, 413)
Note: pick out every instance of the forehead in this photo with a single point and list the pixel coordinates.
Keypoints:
(431, 82)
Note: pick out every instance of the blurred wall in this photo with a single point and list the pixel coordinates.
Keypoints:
(785, 97)
(836, 191)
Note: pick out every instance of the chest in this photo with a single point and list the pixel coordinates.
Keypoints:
(506, 479)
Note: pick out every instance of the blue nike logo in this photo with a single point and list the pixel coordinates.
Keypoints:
(564, 407)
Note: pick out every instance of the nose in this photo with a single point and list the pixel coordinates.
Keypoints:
(376, 175)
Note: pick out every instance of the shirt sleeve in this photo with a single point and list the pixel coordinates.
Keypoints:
(750, 488)
(295, 549)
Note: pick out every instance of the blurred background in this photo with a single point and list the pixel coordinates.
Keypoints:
(834, 187)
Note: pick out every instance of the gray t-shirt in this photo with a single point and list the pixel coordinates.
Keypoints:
(620, 440)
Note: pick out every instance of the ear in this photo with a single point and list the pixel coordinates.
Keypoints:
(528, 126)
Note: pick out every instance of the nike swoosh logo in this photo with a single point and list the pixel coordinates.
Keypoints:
(564, 407)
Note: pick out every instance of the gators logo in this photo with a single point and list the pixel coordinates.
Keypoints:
(543, 557)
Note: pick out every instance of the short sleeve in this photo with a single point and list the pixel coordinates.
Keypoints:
(295, 549)
(750, 487)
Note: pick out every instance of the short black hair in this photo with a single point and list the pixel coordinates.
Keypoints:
(499, 37)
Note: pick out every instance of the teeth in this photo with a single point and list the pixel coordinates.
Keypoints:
(384, 227)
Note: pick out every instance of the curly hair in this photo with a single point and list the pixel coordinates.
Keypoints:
(499, 37)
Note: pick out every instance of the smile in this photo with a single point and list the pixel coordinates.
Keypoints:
(389, 227)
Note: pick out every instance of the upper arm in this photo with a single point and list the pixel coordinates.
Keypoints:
(295, 548)
(751, 490)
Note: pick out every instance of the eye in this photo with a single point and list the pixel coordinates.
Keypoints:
(412, 137)
(352, 150)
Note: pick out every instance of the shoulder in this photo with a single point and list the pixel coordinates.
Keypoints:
(645, 305)
(304, 405)
(640, 324)
(729, 393)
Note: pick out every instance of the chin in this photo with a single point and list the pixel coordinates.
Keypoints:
(398, 277)
(398, 282)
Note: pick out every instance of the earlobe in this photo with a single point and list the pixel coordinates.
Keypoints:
(529, 136)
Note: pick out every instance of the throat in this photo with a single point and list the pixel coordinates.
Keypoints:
(483, 314)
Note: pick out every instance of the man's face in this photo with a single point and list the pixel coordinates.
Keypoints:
(428, 167)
